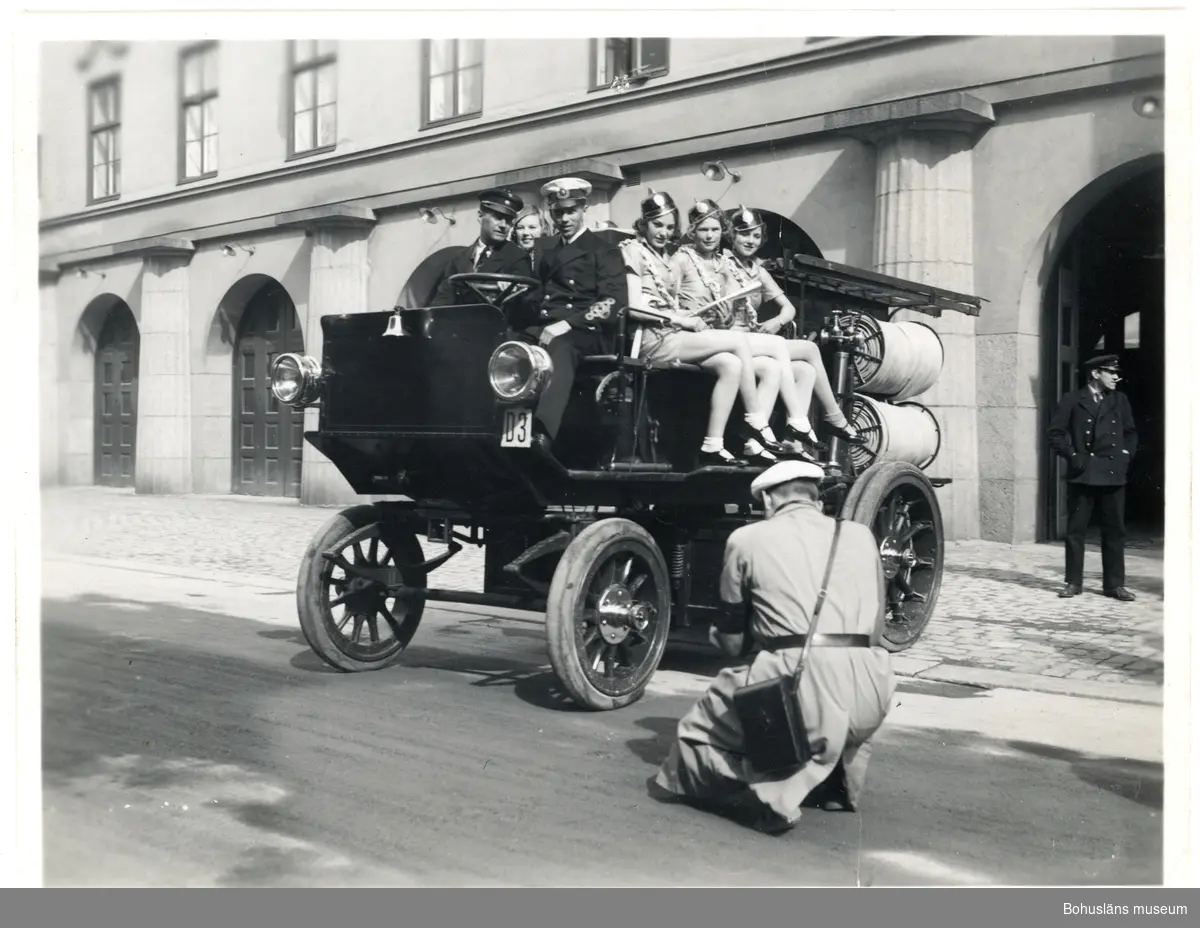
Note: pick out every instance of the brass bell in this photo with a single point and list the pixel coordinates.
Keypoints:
(394, 326)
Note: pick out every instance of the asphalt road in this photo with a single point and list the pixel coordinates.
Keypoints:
(192, 739)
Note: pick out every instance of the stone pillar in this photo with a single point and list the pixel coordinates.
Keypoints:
(164, 429)
(924, 190)
(923, 233)
(339, 271)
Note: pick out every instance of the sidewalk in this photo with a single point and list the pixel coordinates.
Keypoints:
(998, 621)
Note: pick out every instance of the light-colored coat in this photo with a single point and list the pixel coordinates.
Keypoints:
(776, 566)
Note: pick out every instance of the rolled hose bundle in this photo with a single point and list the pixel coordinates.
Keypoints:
(898, 360)
(906, 432)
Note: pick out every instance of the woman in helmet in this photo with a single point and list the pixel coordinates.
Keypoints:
(745, 235)
(670, 335)
(705, 277)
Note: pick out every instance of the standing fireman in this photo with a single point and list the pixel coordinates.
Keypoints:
(492, 252)
(1093, 431)
(583, 291)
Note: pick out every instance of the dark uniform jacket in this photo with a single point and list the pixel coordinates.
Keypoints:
(509, 258)
(1097, 440)
(574, 278)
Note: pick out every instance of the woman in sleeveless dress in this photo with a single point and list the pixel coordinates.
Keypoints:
(704, 276)
(745, 229)
(668, 335)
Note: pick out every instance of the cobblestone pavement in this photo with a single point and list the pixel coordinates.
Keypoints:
(997, 608)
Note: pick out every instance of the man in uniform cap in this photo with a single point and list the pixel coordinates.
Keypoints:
(770, 584)
(491, 252)
(583, 290)
(1094, 432)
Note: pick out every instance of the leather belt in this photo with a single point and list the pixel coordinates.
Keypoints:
(820, 640)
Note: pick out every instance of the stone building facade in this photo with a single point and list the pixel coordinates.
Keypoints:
(202, 206)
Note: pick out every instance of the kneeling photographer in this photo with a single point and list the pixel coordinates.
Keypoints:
(793, 727)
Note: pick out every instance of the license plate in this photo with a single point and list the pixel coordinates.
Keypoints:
(517, 430)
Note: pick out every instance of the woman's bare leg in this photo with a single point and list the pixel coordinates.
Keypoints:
(805, 376)
(728, 370)
(775, 348)
(699, 346)
(769, 377)
(801, 349)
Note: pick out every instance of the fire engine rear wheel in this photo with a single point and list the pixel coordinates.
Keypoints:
(899, 505)
(352, 622)
(608, 614)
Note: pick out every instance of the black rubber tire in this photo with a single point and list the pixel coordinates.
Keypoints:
(359, 523)
(863, 503)
(566, 609)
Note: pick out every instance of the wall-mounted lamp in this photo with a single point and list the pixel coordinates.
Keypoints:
(84, 272)
(716, 170)
(230, 251)
(430, 215)
(1148, 106)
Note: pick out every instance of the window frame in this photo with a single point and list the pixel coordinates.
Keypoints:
(295, 68)
(598, 49)
(185, 101)
(113, 80)
(427, 80)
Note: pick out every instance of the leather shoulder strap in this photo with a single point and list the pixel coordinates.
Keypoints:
(812, 626)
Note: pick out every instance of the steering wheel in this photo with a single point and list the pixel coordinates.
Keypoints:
(496, 289)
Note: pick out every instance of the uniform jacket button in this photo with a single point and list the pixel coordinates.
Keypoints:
(569, 306)
(570, 283)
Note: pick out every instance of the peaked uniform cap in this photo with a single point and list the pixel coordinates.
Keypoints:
(566, 189)
(784, 472)
(1104, 362)
(501, 200)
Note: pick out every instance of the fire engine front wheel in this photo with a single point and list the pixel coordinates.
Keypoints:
(897, 501)
(346, 593)
(608, 614)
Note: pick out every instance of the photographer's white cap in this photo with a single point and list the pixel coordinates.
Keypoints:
(785, 472)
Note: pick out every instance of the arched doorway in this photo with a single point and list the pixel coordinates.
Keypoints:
(268, 438)
(421, 284)
(116, 378)
(1107, 295)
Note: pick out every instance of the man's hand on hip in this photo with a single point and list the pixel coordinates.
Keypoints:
(552, 331)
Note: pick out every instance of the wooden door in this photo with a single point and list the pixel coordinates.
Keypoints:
(115, 456)
(1063, 374)
(267, 436)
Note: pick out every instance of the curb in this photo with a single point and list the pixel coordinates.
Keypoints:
(904, 667)
(986, 678)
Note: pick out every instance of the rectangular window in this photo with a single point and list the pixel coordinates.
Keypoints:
(1133, 331)
(198, 93)
(452, 75)
(314, 96)
(104, 140)
(636, 60)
